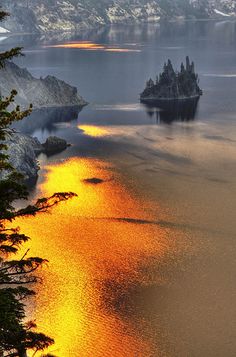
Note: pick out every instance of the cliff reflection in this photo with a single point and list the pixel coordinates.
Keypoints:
(46, 118)
(95, 262)
(221, 31)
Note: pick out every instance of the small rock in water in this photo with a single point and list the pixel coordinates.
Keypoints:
(54, 145)
(93, 180)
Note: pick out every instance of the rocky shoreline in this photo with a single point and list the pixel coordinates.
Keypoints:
(68, 15)
(53, 100)
(41, 92)
(23, 151)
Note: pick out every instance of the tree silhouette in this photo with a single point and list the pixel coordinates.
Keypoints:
(16, 336)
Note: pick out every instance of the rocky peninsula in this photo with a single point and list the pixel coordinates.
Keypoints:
(52, 100)
(41, 92)
(23, 151)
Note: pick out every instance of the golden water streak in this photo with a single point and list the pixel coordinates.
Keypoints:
(90, 46)
(95, 261)
(94, 131)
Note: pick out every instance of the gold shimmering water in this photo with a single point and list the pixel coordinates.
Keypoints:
(91, 46)
(96, 259)
(94, 131)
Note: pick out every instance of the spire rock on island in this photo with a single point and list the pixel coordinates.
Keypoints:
(173, 86)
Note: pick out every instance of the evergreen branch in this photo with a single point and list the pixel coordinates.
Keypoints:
(9, 55)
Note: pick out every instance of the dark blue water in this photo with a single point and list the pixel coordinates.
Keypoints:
(117, 78)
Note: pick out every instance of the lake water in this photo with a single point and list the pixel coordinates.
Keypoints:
(142, 264)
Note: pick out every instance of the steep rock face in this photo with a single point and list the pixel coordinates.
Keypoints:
(71, 15)
(43, 92)
(214, 8)
(22, 151)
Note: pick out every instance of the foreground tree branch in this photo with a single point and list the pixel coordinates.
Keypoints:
(16, 335)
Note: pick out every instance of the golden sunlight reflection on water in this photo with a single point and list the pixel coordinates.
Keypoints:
(91, 46)
(96, 261)
(94, 131)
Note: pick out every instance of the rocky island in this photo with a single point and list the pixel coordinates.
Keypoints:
(173, 88)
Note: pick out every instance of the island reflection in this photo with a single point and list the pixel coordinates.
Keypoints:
(176, 112)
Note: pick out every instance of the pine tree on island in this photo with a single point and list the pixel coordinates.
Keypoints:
(173, 85)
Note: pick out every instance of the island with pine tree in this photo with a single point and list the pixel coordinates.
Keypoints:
(173, 87)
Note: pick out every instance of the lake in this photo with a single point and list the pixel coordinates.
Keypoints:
(143, 263)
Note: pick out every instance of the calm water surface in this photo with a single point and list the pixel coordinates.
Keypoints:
(142, 264)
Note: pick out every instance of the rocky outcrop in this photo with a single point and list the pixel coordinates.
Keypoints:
(42, 92)
(212, 8)
(54, 145)
(73, 15)
(93, 180)
(23, 151)
(173, 85)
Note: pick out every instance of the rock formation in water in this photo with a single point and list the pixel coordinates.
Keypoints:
(22, 152)
(93, 180)
(24, 149)
(44, 92)
(172, 85)
(54, 145)
(72, 15)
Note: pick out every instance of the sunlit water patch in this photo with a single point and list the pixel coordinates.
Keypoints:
(94, 131)
(100, 252)
(90, 46)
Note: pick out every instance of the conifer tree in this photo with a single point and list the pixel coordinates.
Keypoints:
(16, 336)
